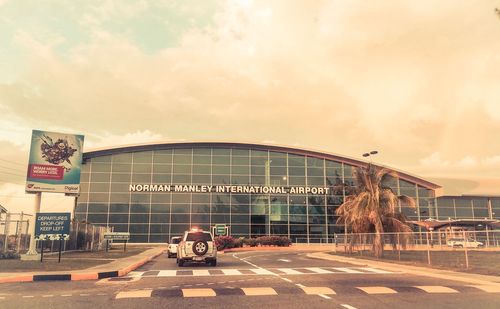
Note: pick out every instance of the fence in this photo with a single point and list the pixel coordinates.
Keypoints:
(455, 249)
(14, 229)
(15, 236)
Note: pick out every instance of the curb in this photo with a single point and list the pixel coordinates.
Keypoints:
(417, 270)
(81, 276)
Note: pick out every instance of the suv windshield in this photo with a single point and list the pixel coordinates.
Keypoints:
(175, 240)
(199, 236)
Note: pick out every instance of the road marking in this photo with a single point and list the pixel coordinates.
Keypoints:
(66, 295)
(348, 270)
(259, 291)
(284, 260)
(374, 270)
(287, 280)
(101, 294)
(231, 272)
(134, 294)
(198, 292)
(28, 296)
(84, 294)
(167, 273)
(262, 271)
(348, 306)
(324, 296)
(47, 295)
(175, 286)
(300, 285)
(202, 272)
(377, 290)
(1, 297)
(319, 270)
(488, 288)
(317, 290)
(436, 289)
(135, 273)
(290, 271)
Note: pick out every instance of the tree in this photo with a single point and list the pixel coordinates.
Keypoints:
(372, 208)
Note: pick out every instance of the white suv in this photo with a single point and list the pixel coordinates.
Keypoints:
(172, 246)
(197, 246)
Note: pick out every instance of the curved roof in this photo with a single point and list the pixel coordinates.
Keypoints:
(298, 151)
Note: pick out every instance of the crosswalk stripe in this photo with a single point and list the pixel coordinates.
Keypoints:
(167, 273)
(374, 270)
(488, 288)
(200, 272)
(436, 289)
(231, 272)
(290, 271)
(318, 290)
(348, 270)
(135, 273)
(134, 294)
(198, 292)
(377, 290)
(259, 291)
(262, 271)
(319, 270)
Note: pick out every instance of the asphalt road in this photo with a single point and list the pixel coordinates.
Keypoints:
(251, 280)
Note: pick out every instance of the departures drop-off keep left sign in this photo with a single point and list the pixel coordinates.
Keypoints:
(52, 223)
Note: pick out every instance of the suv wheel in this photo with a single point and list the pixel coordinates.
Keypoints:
(213, 263)
(200, 247)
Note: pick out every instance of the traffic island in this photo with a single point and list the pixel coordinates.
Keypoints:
(79, 269)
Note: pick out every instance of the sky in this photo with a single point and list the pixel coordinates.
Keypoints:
(416, 80)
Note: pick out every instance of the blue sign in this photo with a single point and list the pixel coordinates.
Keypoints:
(52, 223)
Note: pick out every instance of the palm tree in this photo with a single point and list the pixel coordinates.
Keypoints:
(371, 208)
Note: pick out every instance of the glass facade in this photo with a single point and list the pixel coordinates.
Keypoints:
(105, 197)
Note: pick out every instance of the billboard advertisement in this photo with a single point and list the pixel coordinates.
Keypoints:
(55, 162)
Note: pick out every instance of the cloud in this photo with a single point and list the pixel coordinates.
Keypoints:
(336, 76)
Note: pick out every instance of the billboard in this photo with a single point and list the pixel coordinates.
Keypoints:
(55, 162)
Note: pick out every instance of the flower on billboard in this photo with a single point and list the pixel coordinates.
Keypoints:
(56, 152)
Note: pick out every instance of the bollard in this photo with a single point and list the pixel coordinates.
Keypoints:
(428, 251)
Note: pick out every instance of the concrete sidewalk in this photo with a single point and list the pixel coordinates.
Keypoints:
(414, 270)
(117, 268)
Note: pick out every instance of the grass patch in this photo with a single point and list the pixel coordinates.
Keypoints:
(480, 262)
(75, 260)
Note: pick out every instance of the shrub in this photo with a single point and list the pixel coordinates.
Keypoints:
(225, 242)
(280, 241)
(251, 242)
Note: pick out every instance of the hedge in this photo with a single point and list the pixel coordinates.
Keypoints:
(228, 242)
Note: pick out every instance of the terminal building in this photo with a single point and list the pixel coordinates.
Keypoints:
(156, 191)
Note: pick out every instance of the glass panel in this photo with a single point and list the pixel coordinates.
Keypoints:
(162, 178)
(122, 158)
(119, 208)
(139, 218)
(141, 168)
(99, 208)
(97, 218)
(139, 208)
(99, 187)
(162, 156)
(240, 170)
(240, 180)
(99, 177)
(180, 218)
(202, 169)
(221, 160)
(240, 209)
(139, 228)
(200, 208)
(241, 152)
(140, 198)
(143, 157)
(221, 151)
(101, 167)
(205, 160)
(202, 151)
(181, 179)
(221, 179)
(182, 169)
(182, 158)
(160, 218)
(294, 160)
(141, 178)
(101, 159)
(160, 208)
(122, 168)
(240, 161)
(221, 169)
(259, 161)
(162, 168)
(98, 197)
(117, 218)
(159, 228)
